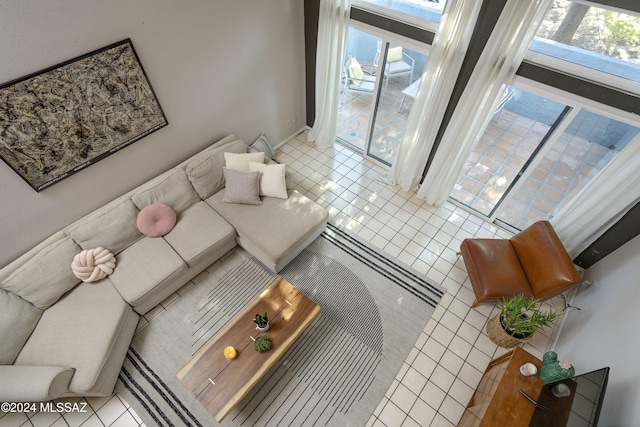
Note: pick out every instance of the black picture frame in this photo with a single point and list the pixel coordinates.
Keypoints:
(57, 121)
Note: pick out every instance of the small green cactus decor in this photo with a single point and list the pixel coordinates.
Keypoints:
(262, 322)
(263, 343)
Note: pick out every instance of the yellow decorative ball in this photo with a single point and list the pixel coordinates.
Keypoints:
(230, 352)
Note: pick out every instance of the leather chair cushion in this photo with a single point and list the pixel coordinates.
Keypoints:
(544, 260)
(494, 269)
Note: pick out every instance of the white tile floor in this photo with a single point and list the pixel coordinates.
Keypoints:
(447, 362)
(91, 412)
(444, 367)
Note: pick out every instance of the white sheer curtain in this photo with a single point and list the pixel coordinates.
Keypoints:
(333, 27)
(496, 67)
(604, 200)
(438, 78)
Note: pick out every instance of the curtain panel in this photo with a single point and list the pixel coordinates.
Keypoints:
(496, 68)
(602, 202)
(438, 79)
(333, 27)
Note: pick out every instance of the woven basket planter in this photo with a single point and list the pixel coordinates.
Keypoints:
(500, 337)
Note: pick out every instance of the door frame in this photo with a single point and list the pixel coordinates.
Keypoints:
(387, 38)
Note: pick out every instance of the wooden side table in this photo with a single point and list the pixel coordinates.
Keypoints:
(497, 400)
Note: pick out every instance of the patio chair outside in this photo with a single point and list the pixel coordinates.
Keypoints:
(355, 81)
(399, 63)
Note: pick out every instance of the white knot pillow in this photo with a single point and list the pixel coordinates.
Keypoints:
(93, 264)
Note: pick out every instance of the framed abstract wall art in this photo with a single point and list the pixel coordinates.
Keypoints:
(60, 120)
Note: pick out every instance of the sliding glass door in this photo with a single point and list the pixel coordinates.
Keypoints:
(534, 156)
(380, 81)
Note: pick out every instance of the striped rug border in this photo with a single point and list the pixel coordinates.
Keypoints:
(396, 272)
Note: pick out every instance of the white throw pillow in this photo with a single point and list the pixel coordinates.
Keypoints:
(355, 72)
(93, 264)
(394, 54)
(272, 179)
(240, 161)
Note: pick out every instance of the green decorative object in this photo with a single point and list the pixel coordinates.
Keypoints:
(519, 318)
(554, 370)
(262, 322)
(263, 343)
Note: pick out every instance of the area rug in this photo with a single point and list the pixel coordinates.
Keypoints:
(373, 310)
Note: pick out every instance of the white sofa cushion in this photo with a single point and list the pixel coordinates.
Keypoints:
(47, 275)
(201, 233)
(18, 318)
(144, 268)
(172, 189)
(205, 170)
(81, 332)
(112, 227)
(276, 231)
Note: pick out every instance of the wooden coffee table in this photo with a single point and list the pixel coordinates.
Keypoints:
(220, 384)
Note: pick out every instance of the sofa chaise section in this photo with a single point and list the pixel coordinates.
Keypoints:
(276, 231)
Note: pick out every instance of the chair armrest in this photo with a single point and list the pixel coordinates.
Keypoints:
(413, 61)
(19, 383)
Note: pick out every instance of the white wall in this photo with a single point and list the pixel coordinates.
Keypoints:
(605, 332)
(217, 67)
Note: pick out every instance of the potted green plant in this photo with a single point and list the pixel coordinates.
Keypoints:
(262, 322)
(519, 318)
(263, 343)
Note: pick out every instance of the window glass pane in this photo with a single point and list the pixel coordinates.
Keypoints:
(401, 78)
(356, 97)
(513, 135)
(593, 37)
(588, 144)
(424, 9)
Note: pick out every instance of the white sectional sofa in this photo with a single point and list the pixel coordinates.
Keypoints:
(62, 337)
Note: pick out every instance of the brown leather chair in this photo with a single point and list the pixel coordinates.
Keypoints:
(533, 263)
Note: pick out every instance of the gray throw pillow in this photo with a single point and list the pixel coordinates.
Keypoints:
(242, 187)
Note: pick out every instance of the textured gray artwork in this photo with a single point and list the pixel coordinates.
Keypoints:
(56, 122)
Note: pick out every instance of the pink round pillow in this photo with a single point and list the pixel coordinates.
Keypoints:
(156, 220)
